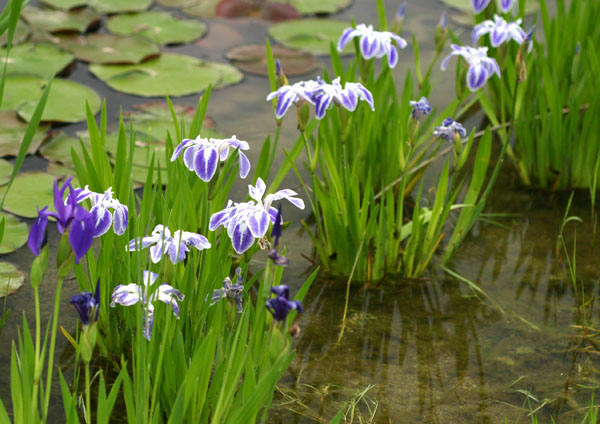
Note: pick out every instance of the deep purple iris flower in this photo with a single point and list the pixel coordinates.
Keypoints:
(280, 305)
(88, 305)
(69, 216)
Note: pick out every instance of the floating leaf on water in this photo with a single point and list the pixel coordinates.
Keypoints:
(21, 33)
(110, 48)
(176, 3)
(311, 7)
(270, 11)
(310, 35)
(120, 6)
(65, 4)
(57, 149)
(28, 192)
(12, 130)
(77, 20)
(202, 8)
(15, 234)
(40, 59)
(253, 58)
(20, 89)
(168, 75)
(6, 169)
(160, 27)
(11, 278)
(66, 102)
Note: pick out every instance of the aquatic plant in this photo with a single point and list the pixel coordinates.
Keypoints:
(481, 67)
(374, 43)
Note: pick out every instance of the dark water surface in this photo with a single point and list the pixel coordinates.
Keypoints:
(430, 350)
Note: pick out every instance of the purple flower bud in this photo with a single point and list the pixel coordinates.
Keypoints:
(277, 67)
(280, 306)
(449, 130)
(420, 107)
(38, 235)
(88, 305)
(401, 12)
(444, 21)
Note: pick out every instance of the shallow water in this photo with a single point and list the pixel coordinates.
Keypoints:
(433, 349)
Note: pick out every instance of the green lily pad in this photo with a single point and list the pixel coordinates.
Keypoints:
(120, 6)
(6, 169)
(60, 171)
(311, 7)
(176, 3)
(66, 102)
(78, 20)
(12, 130)
(252, 58)
(160, 27)
(57, 149)
(64, 4)
(22, 31)
(28, 192)
(110, 48)
(40, 59)
(19, 89)
(310, 35)
(15, 234)
(168, 75)
(11, 278)
(202, 8)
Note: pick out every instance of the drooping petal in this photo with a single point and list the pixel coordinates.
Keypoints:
(177, 252)
(392, 57)
(102, 220)
(167, 294)
(120, 217)
(38, 235)
(156, 251)
(205, 163)
(219, 218)
(476, 77)
(244, 164)
(189, 155)
(241, 237)
(258, 222)
(322, 104)
(369, 45)
(192, 239)
(126, 295)
(506, 5)
(479, 5)
(81, 233)
(347, 35)
(185, 143)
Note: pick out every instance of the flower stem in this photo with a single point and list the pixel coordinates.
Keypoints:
(52, 346)
(88, 403)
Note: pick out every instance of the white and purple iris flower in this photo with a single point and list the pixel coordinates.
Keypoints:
(202, 155)
(500, 31)
(481, 67)
(103, 218)
(322, 95)
(248, 221)
(130, 294)
(162, 243)
(373, 43)
(449, 130)
(479, 5)
(420, 107)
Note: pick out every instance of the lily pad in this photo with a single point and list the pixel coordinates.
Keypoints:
(252, 58)
(310, 35)
(57, 149)
(21, 33)
(311, 7)
(65, 4)
(66, 102)
(176, 3)
(11, 278)
(202, 8)
(28, 192)
(15, 234)
(120, 6)
(168, 75)
(268, 10)
(160, 27)
(12, 130)
(77, 20)
(40, 59)
(6, 169)
(110, 48)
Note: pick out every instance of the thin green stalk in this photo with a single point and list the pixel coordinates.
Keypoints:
(38, 360)
(88, 403)
(52, 346)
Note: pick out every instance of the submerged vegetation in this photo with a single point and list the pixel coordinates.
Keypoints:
(183, 308)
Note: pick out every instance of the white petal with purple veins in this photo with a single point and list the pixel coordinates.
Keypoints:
(258, 222)
(205, 163)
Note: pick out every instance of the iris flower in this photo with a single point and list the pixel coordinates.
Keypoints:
(500, 31)
(69, 217)
(230, 291)
(101, 203)
(420, 107)
(131, 294)
(479, 5)
(297, 93)
(87, 305)
(481, 67)
(248, 221)
(202, 155)
(373, 43)
(449, 130)
(163, 243)
(280, 305)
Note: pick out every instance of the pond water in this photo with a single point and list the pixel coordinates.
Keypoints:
(431, 350)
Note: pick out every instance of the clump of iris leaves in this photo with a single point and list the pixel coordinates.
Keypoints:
(219, 359)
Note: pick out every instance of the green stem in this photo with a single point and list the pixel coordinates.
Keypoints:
(52, 345)
(38, 367)
(88, 403)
